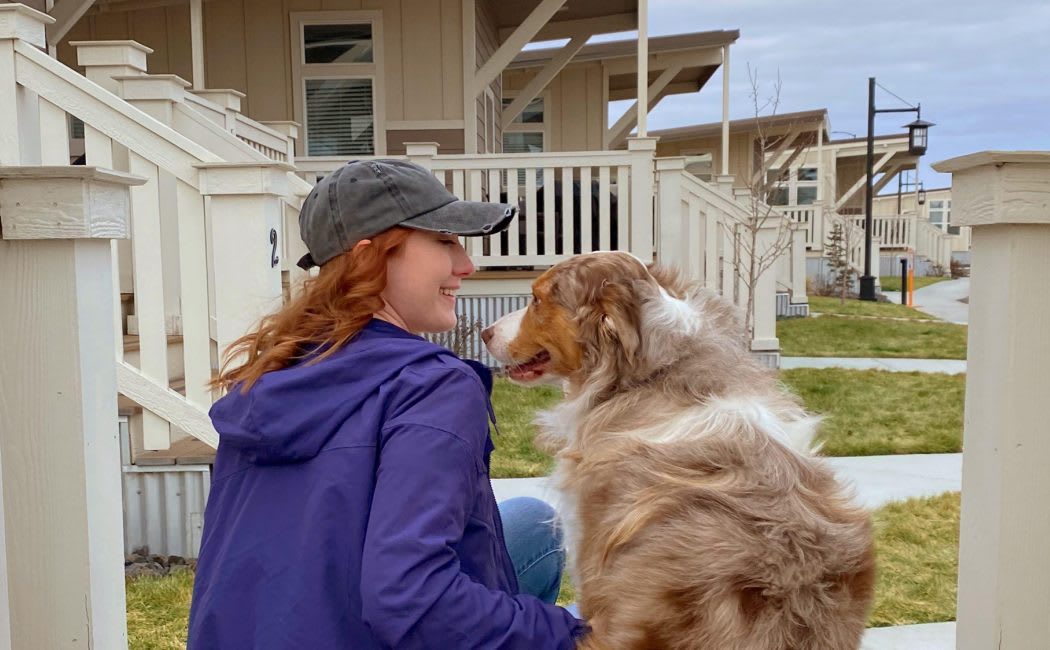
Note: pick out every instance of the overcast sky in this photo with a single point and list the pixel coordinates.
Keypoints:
(981, 69)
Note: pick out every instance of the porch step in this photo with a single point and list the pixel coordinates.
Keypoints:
(188, 451)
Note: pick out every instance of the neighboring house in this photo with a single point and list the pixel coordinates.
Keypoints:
(815, 180)
(936, 208)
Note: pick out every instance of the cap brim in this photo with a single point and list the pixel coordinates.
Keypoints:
(465, 218)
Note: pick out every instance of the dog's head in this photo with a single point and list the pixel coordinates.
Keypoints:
(598, 317)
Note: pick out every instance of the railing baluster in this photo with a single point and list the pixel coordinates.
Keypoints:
(193, 283)
(568, 223)
(603, 208)
(513, 243)
(477, 244)
(586, 201)
(623, 208)
(149, 291)
(531, 245)
(550, 230)
(495, 241)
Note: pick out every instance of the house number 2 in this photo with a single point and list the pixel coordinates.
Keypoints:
(273, 248)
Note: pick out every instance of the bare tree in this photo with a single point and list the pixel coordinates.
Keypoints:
(760, 252)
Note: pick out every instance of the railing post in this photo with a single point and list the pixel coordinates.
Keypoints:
(764, 337)
(245, 212)
(290, 130)
(61, 535)
(876, 260)
(672, 247)
(798, 265)
(421, 153)
(19, 112)
(228, 99)
(642, 152)
(724, 183)
(104, 60)
(1003, 565)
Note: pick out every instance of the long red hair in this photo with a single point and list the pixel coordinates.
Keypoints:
(330, 310)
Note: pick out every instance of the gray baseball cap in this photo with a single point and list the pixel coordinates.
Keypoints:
(363, 198)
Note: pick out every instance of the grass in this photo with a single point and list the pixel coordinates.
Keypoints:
(855, 307)
(893, 282)
(872, 412)
(515, 455)
(916, 549)
(863, 337)
(867, 413)
(158, 609)
(917, 553)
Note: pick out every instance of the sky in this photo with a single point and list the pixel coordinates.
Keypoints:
(980, 69)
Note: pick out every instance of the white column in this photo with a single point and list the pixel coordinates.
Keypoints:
(642, 152)
(62, 538)
(1004, 566)
(725, 110)
(643, 67)
(244, 208)
(197, 42)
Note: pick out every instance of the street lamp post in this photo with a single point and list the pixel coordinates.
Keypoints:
(917, 138)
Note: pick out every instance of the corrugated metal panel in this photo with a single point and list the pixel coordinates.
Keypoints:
(476, 313)
(164, 508)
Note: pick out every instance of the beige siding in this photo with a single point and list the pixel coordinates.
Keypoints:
(847, 174)
(575, 117)
(487, 43)
(740, 148)
(248, 48)
(449, 140)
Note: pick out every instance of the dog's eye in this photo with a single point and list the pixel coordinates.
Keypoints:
(535, 300)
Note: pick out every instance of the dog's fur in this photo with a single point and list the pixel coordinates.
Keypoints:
(695, 512)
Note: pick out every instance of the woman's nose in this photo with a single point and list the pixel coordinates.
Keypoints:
(462, 265)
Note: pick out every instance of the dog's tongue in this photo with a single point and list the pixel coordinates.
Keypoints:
(531, 369)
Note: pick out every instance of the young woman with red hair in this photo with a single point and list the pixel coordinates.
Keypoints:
(351, 505)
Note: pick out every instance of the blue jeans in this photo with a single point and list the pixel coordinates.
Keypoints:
(534, 544)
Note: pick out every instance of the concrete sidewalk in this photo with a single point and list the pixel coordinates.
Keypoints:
(876, 480)
(941, 299)
(949, 366)
(932, 636)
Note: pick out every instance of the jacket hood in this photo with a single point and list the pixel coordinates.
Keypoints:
(289, 415)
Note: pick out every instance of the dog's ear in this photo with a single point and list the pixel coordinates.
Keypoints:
(610, 327)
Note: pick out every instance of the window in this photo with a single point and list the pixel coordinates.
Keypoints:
(338, 76)
(798, 186)
(527, 133)
(940, 215)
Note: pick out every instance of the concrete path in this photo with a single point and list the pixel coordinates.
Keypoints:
(941, 299)
(949, 366)
(876, 480)
(932, 636)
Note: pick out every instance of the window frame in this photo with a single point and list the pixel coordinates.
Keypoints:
(530, 127)
(302, 71)
(792, 184)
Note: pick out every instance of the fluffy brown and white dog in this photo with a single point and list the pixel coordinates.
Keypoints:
(695, 511)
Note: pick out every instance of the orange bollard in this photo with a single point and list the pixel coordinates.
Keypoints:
(911, 286)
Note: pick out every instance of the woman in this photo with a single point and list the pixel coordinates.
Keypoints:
(351, 505)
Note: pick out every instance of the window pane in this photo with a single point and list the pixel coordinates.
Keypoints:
(953, 230)
(532, 113)
(936, 217)
(773, 175)
(339, 117)
(337, 43)
(807, 174)
(807, 195)
(936, 205)
(778, 196)
(522, 142)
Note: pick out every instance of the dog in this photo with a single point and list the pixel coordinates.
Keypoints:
(696, 513)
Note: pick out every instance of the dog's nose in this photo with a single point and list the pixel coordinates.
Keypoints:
(486, 335)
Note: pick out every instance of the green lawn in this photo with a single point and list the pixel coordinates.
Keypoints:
(856, 307)
(516, 407)
(893, 282)
(917, 557)
(917, 554)
(872, 412)
(869, 337)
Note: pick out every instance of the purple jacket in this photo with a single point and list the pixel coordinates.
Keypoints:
(351, 508)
